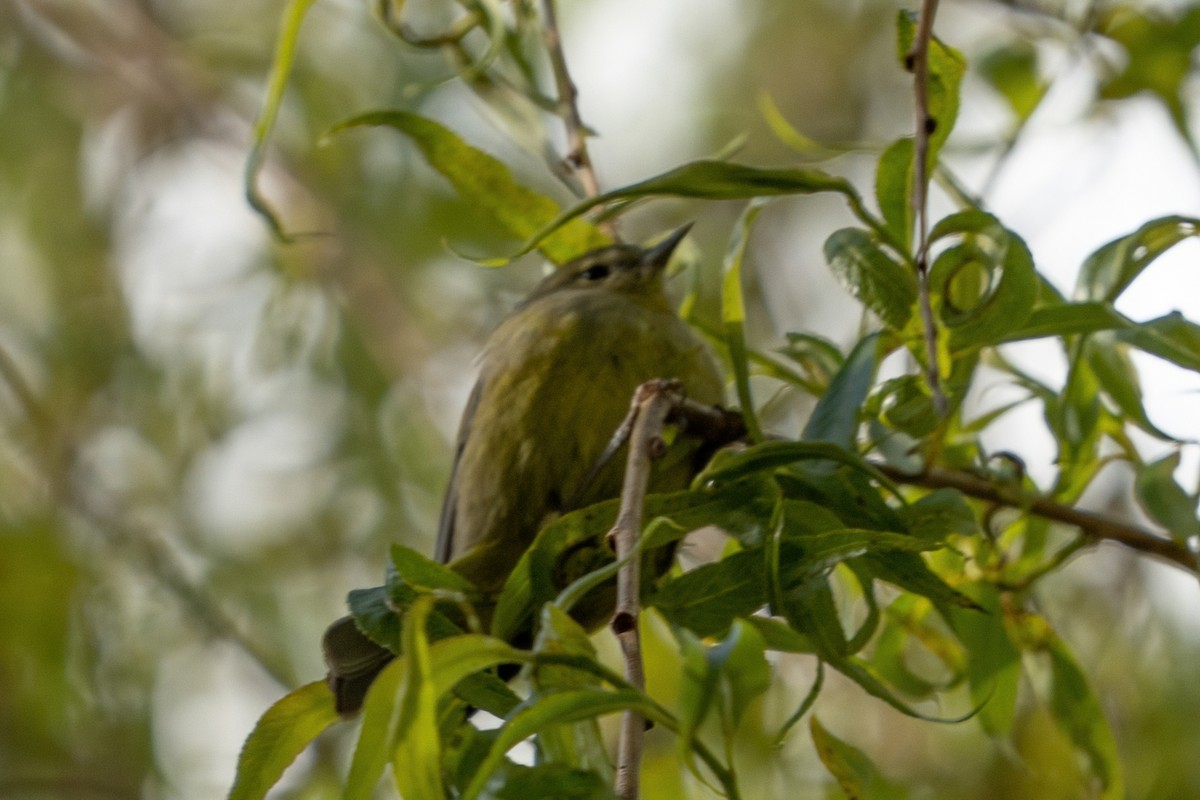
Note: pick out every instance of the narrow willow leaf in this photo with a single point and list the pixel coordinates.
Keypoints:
(486, 183)
(697, 690)
(893, 190)
(556, 709)
(733, 315)
(1007, 300)
(835, 419)
(910, 572)
(939, 514)
(1118, 378)
(281, 734)
(551, 781)
(1170, 337)
(884, 286)
(738, 507)
(1068, 319)
(855, 773)
(784, 131)
(778, 635)
(807, 703)
(281, 68)
(375, 616)
(421, 572)
(993, 663)
(709, 180)
(772, 455)
(740, 659)
(1164, 499)
(1078, 712)
(1012, 70)
(707, 599)
(418, 754)
(1108, 272)
(377, 737)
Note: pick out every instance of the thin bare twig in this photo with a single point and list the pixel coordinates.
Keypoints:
(577, 157)
(918, 63)
(653, 403)
(1096, 527)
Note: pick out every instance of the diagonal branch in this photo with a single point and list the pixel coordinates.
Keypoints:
(1096, 527)
(653, 403)
(577, 158)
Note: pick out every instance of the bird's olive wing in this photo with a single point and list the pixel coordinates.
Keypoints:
(443, 551)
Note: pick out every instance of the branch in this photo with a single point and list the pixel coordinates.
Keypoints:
(1095, 526)
(653, 403)
(918, 62)
(577, 157)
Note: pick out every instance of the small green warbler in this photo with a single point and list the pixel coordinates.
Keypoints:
(556, 380)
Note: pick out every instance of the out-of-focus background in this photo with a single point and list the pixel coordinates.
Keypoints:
(208, 437)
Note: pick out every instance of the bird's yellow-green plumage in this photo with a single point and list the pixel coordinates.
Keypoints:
(556, 380)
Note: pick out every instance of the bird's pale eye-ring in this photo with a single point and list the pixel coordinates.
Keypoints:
(596, 272)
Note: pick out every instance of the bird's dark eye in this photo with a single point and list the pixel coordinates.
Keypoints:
(597, 272)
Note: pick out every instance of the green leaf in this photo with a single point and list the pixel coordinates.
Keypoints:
(1078, 712)
(421, 572)
(835, 419)
(993, 662)
(855, 773)
(281, 734)
(847, 495)
(378, 733)
(375, 616)
(486, 183)
(1107, 272)
(1164, 499)
(778, 635)
(1118, 378)
(904, 404)
(741, 661)
(1170, 337)
(708, 180)
(557, 709)
(390, 712)
(773, 455)
(819, 357)
(893, 190)
(552, 781)
(1159, 51)
(946, 69)
(887, 288)
(909, 571)
(281, 68)
(1012, 70)
(741, 508)
(733, 316)
(725, 676)
(938, 514)
(707, 599)
(418, 753)
(1068, 319)
(1001, 304)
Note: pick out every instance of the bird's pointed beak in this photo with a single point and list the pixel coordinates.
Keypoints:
(656, 257)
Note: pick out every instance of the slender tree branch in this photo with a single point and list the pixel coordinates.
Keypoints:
(577, 157)
(918, 63)
(653, 403)
(1095, 526)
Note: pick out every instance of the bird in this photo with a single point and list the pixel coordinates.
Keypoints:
(555, 381)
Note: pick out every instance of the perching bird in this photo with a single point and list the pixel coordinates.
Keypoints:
(556, 380)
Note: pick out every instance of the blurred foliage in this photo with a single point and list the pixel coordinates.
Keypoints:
(211, 435)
